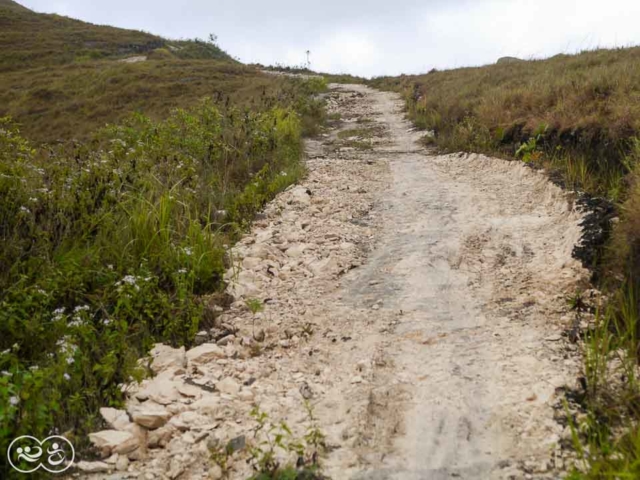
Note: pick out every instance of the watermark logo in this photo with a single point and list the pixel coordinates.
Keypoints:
(54, 454)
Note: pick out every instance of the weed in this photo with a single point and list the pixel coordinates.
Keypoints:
(274, 441)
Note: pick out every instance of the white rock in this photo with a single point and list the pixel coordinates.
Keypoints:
(327, 266)
(246, 395)
(149, 415)
(297, 250)
(205, 353)
(114, 441)
(299, 195)
(208, 404)
(122, 464)
(228, 386)
(93, 467)
(160, 389)
(251, 263)
(116, 419)
(165, 357)
(190, 391)
(215, 473)
(160, 437)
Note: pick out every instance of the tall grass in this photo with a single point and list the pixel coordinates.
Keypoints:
(109, 246)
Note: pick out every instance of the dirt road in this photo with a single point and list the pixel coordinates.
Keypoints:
(473, 263)
(415, 301)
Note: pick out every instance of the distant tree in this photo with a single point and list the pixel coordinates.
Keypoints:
(309, 59)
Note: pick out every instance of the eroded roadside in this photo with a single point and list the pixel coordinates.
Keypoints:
(414, 301)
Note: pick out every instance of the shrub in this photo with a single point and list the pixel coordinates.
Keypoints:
(106, 247)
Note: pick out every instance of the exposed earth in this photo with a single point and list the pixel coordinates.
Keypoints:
(415, 302)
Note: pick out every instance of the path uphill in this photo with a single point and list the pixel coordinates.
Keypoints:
(415, 302)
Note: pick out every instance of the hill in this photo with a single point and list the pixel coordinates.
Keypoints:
(62, 78)
(30, 39)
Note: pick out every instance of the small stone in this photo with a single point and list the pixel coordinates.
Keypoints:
(190, 391)
(205, 353)
(201, 338)
(160, 437)
(297, 250)
(246, 395)
(93, 467)
(150, 415)
(237, 444)
(226, 340)
(305, 391)
(165, 357)
(357, 379)
(208, 405)
(110, 441)
(228, 386)
(215, 473)
(116, 419)
(122, 464)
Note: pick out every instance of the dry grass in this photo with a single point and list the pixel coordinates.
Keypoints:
(71, 101)
(29, 39)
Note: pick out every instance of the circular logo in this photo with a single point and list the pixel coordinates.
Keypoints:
(27, 454)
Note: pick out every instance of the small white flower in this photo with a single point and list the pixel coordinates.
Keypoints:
(4, 373)
(15, 346)
(182, 271)
(33, 199)
(70, 360)
(110, 267)
(188, 251)
(34, 368)
(14, 400)
(106, 321)
(5, 352)
(25, 209)
(283, 174)
(58, 311)
(81, 308)
(67, 377)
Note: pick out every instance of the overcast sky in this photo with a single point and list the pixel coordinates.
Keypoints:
(374, 37)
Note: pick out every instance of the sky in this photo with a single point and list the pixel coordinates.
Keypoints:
(373, 37)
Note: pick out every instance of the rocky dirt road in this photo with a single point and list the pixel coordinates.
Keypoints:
(415, 301)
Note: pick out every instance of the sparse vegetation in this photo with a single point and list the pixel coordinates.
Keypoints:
(579, 118)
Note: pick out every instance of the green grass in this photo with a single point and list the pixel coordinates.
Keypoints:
(112, 245)
(29, 39)
(121, 188)
(578, 117)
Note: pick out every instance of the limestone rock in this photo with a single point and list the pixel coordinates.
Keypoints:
(228, 386)
(165, 357)
(150, 415)
(93, 467)
(116, 419)
(205, 353)
(113, 441)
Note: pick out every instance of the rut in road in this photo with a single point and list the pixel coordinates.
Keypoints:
(472, 264)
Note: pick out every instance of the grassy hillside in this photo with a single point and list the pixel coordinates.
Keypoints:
(578, 117)
(117, 239)
(61, 78)
(29, 39)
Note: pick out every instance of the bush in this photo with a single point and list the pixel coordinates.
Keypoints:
(106, 248)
